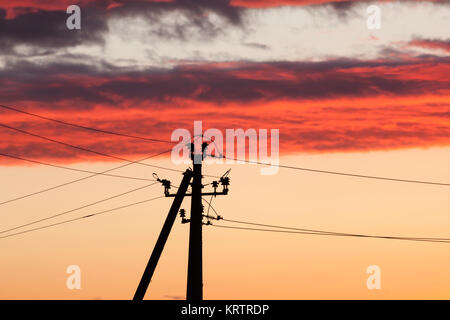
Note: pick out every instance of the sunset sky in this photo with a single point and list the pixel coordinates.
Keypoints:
(344, 97)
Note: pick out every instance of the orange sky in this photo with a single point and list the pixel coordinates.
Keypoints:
(112, 250)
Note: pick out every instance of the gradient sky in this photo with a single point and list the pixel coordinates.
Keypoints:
(344, 98)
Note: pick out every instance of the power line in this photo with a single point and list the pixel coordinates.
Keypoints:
(83, 217)
(91, 129)
(342, 173)
(80, 179)
(322, 233)
(83, 149)
(210, 206)
(78, 208)
(318, 231)
(130, 162)
(84, 127)
(279, 227)
(72, 169)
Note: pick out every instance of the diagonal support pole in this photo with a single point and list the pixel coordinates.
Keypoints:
(165, 231)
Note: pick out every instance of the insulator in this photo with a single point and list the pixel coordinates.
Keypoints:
(166, 183)
(225, 181)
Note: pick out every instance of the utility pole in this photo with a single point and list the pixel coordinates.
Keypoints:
(194, 290)
(165, 231)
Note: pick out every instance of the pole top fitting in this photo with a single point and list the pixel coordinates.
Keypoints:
(195, 156)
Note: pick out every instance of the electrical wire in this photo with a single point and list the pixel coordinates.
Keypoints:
(326, 233)
(79, 208)
(84, 149)
(80, 179)
(96, 152)
(341, 173)
(281, 227)
(72, 169)
(210, 206)
(83, 127)
(83, 217)
(312, 230)
(319, 232)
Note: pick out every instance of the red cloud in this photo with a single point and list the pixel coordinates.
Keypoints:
(431, 44)
(108, 4)
(319, 107)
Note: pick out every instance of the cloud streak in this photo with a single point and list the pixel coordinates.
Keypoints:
(432, 44)
(228, 82)
(332, 106)
(41, 24)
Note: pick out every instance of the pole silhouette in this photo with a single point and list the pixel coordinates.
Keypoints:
(165, 231)
(195, 261)
(194, 290)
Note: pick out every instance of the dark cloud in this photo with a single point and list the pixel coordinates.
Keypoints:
(45, 28)
(195, 8)
(239, 82)
(42, 24)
